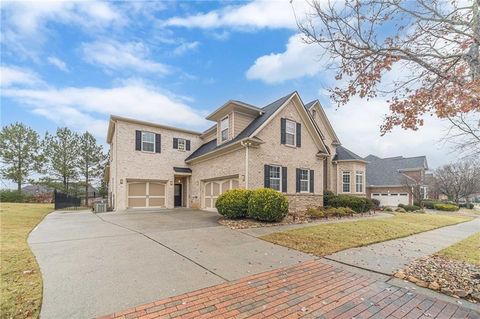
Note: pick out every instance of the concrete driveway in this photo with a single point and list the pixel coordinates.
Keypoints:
(96, 264)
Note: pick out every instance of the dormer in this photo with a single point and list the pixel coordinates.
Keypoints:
(232, 118)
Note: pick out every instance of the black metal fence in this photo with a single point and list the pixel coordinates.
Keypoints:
(63, 200)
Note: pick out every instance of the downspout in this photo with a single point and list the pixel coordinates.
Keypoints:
(247, 145)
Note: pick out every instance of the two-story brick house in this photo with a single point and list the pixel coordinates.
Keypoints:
(286, 145)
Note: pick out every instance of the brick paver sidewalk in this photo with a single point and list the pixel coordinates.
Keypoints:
(311, 289)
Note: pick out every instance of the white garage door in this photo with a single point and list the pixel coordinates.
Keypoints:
(146, 194)
(391, 199)
(212, 189)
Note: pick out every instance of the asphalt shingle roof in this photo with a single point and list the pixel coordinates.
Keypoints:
(344, 154)
(252, 127)
(386, 171)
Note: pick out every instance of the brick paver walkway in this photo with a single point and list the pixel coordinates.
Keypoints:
(311, 289)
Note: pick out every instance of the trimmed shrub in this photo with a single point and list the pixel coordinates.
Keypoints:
(316, 213)
(321, 212)
(268, 205)
(14, 196)
(388, 209)
(446, 207)
(466, 205)
(358, 204)
(401, 205)
(233, 203)
(410, 208)
(327, 195)
(400, 210)
(430, 204)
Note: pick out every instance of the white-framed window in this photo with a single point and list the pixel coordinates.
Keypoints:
(346, 182)
(224, 127)
(423, 192)
(304, 180)
(290, 132)
(148, 142)
(314, 113)
(359, 182)
(276, 178)
(181, 144)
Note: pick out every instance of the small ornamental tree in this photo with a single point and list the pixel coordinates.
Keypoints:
(90, 160)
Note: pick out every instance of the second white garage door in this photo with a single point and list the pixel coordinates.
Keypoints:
(391, 199)
(146, 194)
(212, 189)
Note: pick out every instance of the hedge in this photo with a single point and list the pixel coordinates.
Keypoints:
(446, 207)
(321, 212)
(13, 196)
(409, 208)
(430, 204)
(266, 204)
(358, 204)
(233, 203)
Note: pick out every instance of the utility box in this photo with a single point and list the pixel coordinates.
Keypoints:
(100, 207)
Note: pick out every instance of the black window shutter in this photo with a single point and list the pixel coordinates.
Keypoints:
(175, 143)
(266, 180)
(187, 145)
(284, 179)
(158, 143)
(298, 180)
(138, 140)
(312, 181)
(283, 128)
(299, 134)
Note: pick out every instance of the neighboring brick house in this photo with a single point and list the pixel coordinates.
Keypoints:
(396, 180)
(286, 145)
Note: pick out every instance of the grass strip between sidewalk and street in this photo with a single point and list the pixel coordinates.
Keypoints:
(326, 239)
(467, 250)
(21, 280)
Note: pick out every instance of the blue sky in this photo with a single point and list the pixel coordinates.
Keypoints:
(75, 63)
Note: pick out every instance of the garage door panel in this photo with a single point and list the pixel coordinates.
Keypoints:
(156, 202)
(216, 189)
(393, 199)
(137, 189)
(156, 189)
(137, 202)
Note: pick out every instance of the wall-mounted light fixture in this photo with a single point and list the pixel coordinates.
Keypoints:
(121, 181)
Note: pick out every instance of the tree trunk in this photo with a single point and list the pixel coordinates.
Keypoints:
(19, 186)
(86, 191)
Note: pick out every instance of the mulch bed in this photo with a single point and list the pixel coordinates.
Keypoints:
(290, 219)
(453, 278)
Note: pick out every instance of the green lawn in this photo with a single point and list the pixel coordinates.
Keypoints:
(325, 239)
(468, 250)
(21, 293)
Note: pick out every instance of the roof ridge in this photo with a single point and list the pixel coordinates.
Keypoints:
(276, 101)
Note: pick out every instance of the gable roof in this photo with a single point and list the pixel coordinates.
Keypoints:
(344, 154)
(388, 171)
(252, 127)
(310, 105)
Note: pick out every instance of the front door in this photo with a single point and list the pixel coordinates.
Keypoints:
(177, 193)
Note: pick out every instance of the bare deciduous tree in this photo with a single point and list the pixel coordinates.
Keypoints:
(459, 180)
(436, 42)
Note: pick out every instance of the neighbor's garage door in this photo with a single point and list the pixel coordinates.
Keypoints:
(391, 199)
(146, 194)
(213, 189)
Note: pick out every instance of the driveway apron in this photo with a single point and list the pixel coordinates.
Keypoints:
(96, 264)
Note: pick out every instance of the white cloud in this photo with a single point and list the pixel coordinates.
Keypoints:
(10, 75)
(357, 124)
(298, 60)
(115, 55)
(257, 14)
(185, 47)
(80, 107)
(58, 63)
(32, 17)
